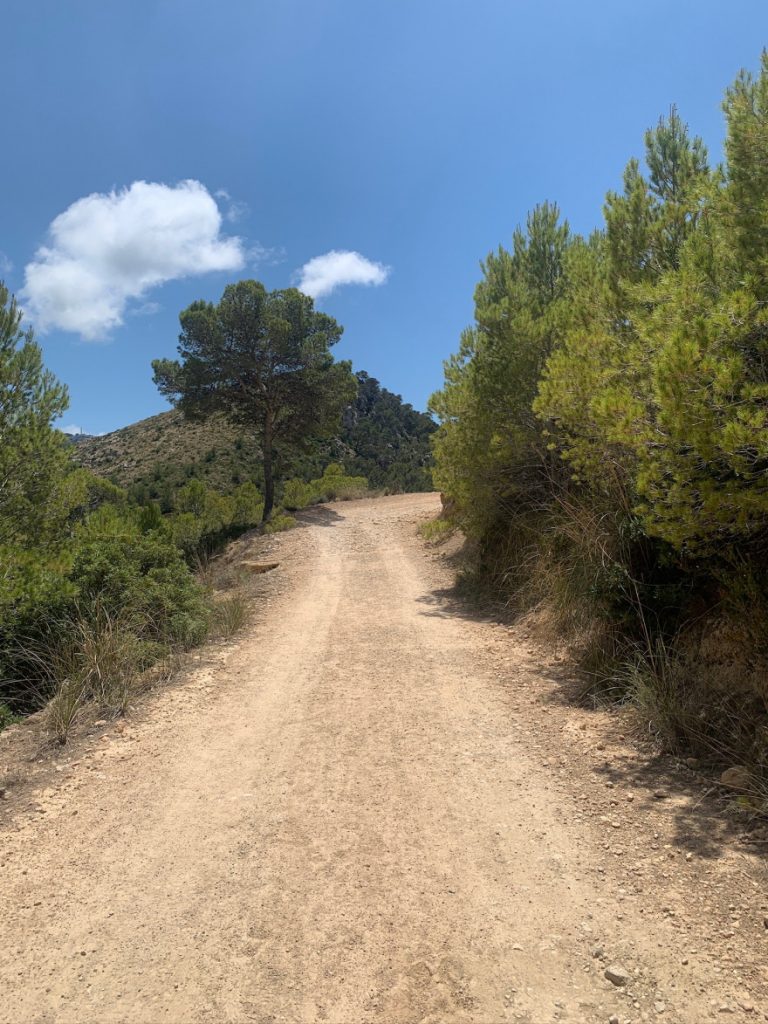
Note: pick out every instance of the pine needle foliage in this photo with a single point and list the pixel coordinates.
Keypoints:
(604, 424)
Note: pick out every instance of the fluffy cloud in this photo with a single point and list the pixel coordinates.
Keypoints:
(109, 249)
(323, 274)
(235, 209)
(265, 256)
(5, 264)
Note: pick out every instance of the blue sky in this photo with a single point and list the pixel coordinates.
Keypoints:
(416, 133)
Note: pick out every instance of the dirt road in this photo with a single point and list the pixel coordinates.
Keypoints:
(353, 815)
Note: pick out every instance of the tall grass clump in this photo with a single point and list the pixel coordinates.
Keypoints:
(685, 707)
(435, 530)
(229, 616)
(91, 657)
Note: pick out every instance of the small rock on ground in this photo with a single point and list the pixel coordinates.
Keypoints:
(616, 975)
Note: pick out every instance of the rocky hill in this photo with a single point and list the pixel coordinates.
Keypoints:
(381, 438)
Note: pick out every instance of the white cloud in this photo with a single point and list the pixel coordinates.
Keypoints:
(6, 266)
(109, 248)
(263, 255)
(236, 209)
(236, 212)
(323, 274)
(145, 309)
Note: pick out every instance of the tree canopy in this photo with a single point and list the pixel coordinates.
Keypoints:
(33, 456)
(263, 359)
(604, 423)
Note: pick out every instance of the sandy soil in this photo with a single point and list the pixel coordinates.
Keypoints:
(373, 807)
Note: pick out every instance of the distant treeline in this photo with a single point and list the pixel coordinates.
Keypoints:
(604, 431)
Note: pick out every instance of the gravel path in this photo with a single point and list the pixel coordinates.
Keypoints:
(364, 810)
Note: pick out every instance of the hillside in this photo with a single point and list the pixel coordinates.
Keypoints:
(381, 438)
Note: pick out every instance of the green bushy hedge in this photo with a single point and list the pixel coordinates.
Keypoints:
(333, 485)
(604, 423)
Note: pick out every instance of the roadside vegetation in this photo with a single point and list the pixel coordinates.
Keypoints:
(333, 485)
(101, 589)
(604, 435)
(436, 530)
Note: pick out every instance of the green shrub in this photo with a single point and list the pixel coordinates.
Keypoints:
(186, 531)
(141, 576)
(7, 716)
(192, 498)
(348, 488)
(34, 594)
(279, 522)
(333, 485)
(248, 505)
(337, 486)
(297, 495)
(203, 519)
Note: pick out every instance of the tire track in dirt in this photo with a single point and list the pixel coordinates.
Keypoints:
(342, 823)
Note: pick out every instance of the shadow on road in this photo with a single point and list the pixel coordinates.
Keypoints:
(450, 603)
(317, 515)
(707, 819)
(703, 816)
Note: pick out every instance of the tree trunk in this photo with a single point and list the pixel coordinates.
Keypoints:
(269, 480)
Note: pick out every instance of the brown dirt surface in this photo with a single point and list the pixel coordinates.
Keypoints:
(375, 806)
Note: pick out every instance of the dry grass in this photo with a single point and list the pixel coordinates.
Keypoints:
(352, 492)
(229, 615)
(435, 530)
(64, 707)
(680, 704)
(89, 658)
